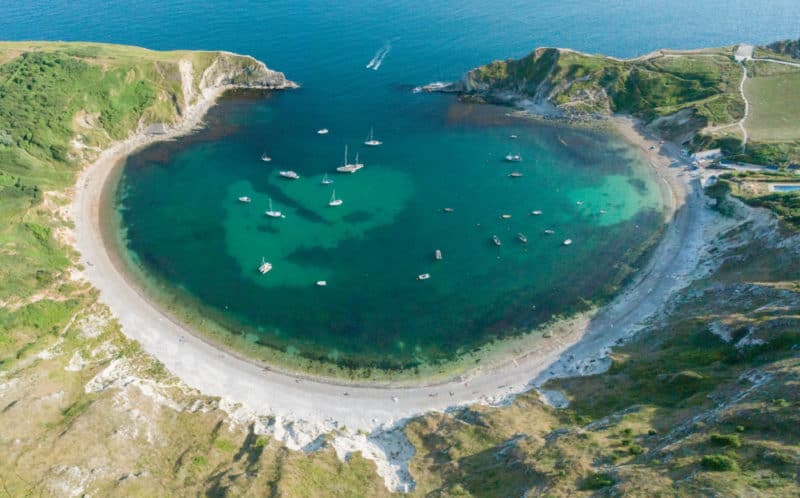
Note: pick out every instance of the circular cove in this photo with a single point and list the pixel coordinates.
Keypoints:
(439, 181)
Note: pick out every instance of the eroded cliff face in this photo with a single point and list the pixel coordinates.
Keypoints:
(242, 71)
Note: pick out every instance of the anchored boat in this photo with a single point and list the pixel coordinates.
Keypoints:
(323, 131)
(291, 175)
(424, 276)
(264, 267)
(326, 180)
(245, 199)
(272, 213)
(522, 238)
(513, 158)
(349, 168)
(371, 140)
(334, 201)
(438, 254)
(265, 158)
(568, 242)
(496, 240)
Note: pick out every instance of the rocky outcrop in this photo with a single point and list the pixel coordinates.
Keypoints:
(242, 71)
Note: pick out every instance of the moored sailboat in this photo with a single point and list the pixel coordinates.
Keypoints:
(347, 167)
(334, 201)
(371, 140)
(271, 212)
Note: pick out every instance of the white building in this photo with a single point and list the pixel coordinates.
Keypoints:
(707, 155)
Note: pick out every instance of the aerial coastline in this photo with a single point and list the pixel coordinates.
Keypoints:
(512, 365)
(143, 354)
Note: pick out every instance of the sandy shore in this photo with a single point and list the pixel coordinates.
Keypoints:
(577, 346)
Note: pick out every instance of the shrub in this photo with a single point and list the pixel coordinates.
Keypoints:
(718, 463)
(599, 480)
(731, 440)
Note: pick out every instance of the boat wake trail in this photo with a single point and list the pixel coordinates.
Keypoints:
(377, 60)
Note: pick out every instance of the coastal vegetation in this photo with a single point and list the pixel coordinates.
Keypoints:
(753, 188)
(691, 97)
(703, 400)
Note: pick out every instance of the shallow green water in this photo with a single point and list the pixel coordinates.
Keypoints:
(188, 233)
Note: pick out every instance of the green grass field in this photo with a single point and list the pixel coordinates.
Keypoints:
(775, 107)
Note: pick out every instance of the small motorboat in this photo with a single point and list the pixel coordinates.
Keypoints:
(448, 210)
(323, 131)
(424, 276)
(334, 201)
(603, 211)
(291, 175)
(322, 283)
(245, 199)
(326, 180)
(513, 137)
(568, 242)
(549, 232)
(536, 213)
(438, 254)
(264, 267)
(580, 203)
(496, 240)
(522, 238)
(515, 174)
(505, 216)
(513, 158)
(265, 158)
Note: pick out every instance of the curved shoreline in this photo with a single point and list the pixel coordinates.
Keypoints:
(324, 401)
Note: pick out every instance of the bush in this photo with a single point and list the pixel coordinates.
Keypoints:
(718, 463)
(599, 480)
(731, 440)
(635, 449)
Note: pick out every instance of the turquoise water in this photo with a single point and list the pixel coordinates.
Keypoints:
(195, 242)
(186, 227)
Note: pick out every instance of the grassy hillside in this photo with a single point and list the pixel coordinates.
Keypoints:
(687, 96)
(657, 85)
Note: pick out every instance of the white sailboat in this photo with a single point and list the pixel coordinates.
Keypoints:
(371, 140)
(326, 180)
(349, 168)
(264, 267)
(334, 201)
(265, 158)
(272, 213)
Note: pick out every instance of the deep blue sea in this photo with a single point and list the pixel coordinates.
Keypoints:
(357, 62)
